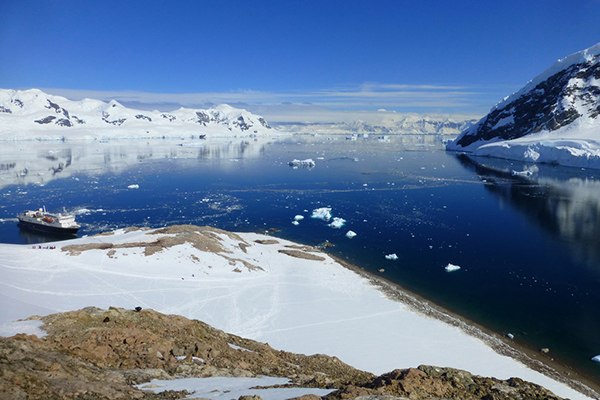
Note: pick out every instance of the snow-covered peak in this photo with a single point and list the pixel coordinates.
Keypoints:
(563, 98)
(555, 118)
(30, 114)
(581, 57)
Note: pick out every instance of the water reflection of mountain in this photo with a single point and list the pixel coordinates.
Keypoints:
(563, 201)
(29, 162)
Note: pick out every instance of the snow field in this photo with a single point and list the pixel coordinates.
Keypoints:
(294, 304)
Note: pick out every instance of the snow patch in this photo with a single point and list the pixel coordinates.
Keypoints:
(216, 388)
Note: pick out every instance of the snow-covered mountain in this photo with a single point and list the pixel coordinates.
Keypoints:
(33, 114)
(555, 118)
(402, 124)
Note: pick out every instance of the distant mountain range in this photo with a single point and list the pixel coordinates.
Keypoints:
(33, 114)
(403, 124)
(555, 118)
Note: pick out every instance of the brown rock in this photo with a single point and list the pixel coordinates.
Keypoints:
(85, 357)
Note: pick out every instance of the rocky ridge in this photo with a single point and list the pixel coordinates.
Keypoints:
(100, 354)
(567, 92)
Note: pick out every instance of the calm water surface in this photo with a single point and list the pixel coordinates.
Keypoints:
(527, 238)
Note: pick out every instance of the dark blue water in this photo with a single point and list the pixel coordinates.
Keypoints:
(528, 244)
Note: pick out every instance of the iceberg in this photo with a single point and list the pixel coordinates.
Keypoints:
(308, 163)
(323, 213)
(451, 267)
(350, 234)
(337, 223)
(521, 173)
(392, 256)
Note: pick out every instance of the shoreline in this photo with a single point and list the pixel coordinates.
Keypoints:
(364, 314)
(531, 358)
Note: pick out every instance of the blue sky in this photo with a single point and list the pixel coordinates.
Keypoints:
(407, 56)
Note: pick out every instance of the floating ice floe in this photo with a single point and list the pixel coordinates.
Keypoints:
(337, 223)
(596, 358)
(350, 234)
(451, 267)
(392, 256)
(294, 222)
(322, 213)
(298, 217)
(308, 163)
(522, 173)
(136, 186)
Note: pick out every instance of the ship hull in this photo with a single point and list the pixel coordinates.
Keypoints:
(47, 229)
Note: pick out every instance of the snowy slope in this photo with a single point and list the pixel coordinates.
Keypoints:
(33, 114)
(252, 285)
(555, 118)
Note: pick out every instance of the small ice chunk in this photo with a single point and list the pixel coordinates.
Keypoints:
(596, 358)
(521, 173)
(135, 186)
(295, 222)
(350, 234)
(308, 163)
(298, 217)
(337, 223)
(322, 213)
(510, 335)
(392, 256)
(452, 267)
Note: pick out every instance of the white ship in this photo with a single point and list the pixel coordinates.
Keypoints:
(43, 221)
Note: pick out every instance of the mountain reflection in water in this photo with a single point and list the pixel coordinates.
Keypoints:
(562, 201)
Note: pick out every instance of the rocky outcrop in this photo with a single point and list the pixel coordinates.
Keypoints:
(105, 351)
(427, 382)
(568, 91)
(101, 354)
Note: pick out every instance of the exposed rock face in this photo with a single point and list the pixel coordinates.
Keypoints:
(103, 351)
(100, 354)
(428, 382)
(566, 92)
